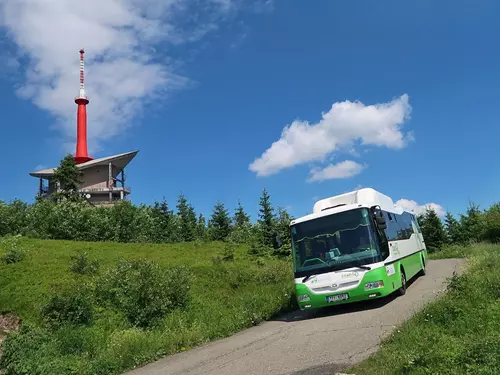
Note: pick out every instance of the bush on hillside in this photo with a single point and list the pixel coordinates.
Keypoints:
(13, 217)
(19, 346)
(81, 264)
(276, 273)
(144, 291)
(491, 224)
(73, 306)
(228, 252)
(258, 248)
(14, 252)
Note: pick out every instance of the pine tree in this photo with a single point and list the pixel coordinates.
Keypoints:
(163, 216)
(220, 223)
(67, 175)
(201, 228)
(267, 219)
(471, 224)
(241, 219)
(453, 229)
(186, 215)
(432, 230)
(242, 226)
(192, 219)
(283, 229)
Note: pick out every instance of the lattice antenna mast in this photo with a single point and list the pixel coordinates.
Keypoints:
(82, 74)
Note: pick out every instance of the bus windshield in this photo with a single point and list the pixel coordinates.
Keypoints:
(334, 242)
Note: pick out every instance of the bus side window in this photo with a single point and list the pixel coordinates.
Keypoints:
(392, 227)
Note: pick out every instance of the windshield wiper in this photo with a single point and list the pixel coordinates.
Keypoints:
(307, 277)
(364, 268)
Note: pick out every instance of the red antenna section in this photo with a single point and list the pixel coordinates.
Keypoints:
(81, 125)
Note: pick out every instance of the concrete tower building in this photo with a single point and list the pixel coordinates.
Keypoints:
(103, 178)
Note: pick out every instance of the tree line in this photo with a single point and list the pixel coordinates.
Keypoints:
(67, 215)
(158, 223)
(475, 225)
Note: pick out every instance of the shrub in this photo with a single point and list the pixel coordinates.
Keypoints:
(258, 248)
(81, 264)
(228, 252)
(143, 291)
(34, 350)
(276, 273)
(19, 346)
(72, 306)
(237, 277)
(14, 252)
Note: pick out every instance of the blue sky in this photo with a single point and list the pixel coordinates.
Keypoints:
(415, 85)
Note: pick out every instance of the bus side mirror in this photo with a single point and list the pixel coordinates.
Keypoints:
(276, 241)
(379, 218)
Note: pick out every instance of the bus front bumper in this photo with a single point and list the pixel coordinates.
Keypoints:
(307, 299)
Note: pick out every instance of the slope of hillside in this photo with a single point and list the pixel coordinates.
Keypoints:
(225, 296)
(458, 334)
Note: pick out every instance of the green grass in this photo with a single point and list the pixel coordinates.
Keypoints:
(457, 334)
(225, 297)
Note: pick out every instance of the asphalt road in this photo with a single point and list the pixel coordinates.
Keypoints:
(315, 342)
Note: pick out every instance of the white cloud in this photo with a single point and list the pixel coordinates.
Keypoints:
(343, 169)
(262, 6)
(125, 64)
(418, 209)
(345, 123)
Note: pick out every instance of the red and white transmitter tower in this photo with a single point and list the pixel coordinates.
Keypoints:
(81, 125)
(102, 179)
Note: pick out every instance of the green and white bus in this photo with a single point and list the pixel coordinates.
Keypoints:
(353, 247)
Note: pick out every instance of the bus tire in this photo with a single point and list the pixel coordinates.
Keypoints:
(423, 271)
(402, 290)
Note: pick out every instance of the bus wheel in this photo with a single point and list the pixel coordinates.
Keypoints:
(423, 271)
(402, 291)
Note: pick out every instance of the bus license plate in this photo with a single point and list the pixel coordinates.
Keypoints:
(338, 297)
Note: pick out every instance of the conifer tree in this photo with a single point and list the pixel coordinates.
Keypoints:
(267, 219)
(241, 219)
(163, 216)
(201, 228)
(220, 223)
(193, 222)
(471, 224)
(283, 229)
(432, 229)
(453, 229)
(186, 214)
(242, 226)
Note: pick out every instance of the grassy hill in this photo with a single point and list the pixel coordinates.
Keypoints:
(92, 321)
(98, 331)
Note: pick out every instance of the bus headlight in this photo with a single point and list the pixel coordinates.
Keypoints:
(374, 285)
(304, 298)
